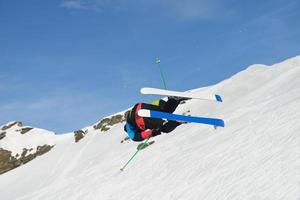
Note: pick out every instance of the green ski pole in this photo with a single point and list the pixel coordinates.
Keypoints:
(139, 149)
(144, 143)
(161, 72)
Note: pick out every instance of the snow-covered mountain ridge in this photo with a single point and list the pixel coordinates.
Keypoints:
(21, 144)
(256, 155)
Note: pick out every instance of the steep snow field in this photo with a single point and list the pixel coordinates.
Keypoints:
(256, 155)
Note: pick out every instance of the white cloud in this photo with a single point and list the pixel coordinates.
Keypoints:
(183, 9)
(84, 4)
(73, 4)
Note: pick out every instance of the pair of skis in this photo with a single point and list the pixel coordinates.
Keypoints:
(170, 116)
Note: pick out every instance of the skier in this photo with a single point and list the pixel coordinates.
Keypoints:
(140, 128)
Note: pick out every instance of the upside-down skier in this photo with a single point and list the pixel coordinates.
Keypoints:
(140, 128)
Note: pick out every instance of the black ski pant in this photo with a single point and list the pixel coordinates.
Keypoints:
(164, 106)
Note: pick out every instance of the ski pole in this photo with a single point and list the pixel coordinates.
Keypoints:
(138, 150)
(144, 143)
(161, 72)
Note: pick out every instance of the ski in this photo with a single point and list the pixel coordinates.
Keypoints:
(157, 91)
(170, 116)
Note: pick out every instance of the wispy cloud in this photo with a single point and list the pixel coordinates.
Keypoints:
(73, 4)
(96, 5)
(183, 9)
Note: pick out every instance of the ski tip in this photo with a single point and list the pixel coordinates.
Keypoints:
(144, 90)
(144, 113)
(218, 98)
(222, 124)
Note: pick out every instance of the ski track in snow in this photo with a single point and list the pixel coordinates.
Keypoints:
(256, 155)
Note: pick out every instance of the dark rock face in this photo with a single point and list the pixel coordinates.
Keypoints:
(5, 158)
(125, 139)
(2, 135)
(9, 162)
(25, 130)
(43, 149)
(79, 135)
(145, 145)
(22, 129)
(18, 123)
(106, 123)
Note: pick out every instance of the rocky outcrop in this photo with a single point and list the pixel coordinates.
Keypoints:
(11, 124)
(140, 146)
(106, 123)
(2, 135)
(6, 161)
(25, 130)
(79, 135)
(9, 162)
(125, 139)
(20, 128)
(43, 149)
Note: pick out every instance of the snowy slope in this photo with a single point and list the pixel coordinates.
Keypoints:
(256, 155)
(21, 144)
(15, 141)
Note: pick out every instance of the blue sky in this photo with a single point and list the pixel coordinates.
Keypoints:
(65, 64)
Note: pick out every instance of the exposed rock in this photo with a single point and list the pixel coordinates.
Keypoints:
(4, 161)
(146, 145)
(125, 139)
(25, 130)
(28, 158)
(106, 123)
(43, 149)
(2, 135)
(11, 124)
(79, 135)
(24, 152)
(9, 162)
(104, 129)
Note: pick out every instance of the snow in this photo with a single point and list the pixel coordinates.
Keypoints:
(256, 155)
(15, 142)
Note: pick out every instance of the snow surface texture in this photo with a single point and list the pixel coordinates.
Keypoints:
(256, 155)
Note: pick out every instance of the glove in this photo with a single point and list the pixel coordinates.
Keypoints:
(156, 132)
